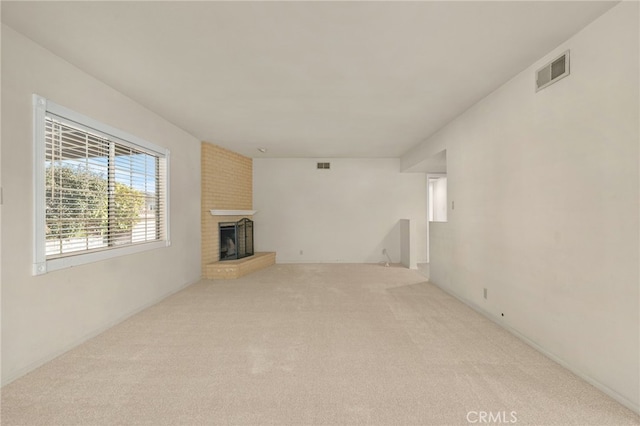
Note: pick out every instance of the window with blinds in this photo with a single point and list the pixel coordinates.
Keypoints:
(100, 192)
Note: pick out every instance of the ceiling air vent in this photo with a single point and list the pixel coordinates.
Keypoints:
(324, 165)
(553, 71)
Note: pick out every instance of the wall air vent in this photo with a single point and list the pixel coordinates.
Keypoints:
(553, 71)
(324, 165)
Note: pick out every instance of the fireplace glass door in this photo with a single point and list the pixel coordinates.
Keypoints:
(236, 239)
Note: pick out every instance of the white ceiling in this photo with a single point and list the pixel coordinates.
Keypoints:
(304, 79)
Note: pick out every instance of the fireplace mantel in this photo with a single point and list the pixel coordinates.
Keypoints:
(233, 212)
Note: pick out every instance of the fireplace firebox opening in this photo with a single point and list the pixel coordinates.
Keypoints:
(236, 239)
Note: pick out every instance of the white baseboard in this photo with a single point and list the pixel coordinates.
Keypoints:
(330, 262)
(29, 368)
(595, 383)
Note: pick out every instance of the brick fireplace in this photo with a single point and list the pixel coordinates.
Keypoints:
(227, 196)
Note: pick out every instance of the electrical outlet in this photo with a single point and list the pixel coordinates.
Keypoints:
(484, 291)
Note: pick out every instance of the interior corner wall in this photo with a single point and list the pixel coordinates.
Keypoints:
(346, 214)
(43, 316)
(546, 213)
(227, 184)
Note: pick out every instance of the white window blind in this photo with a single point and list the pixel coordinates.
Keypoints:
(102, 193)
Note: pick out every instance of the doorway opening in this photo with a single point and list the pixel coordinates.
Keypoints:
(436, 202)
(437, 198)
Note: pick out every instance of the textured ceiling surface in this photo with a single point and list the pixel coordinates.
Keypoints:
(304, 79)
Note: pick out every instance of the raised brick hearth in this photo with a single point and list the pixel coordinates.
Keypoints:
(230, 269)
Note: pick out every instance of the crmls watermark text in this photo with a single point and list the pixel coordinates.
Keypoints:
(492, 417)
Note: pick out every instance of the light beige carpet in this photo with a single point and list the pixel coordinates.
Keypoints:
(307, 345)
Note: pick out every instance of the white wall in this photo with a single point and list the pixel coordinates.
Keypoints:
(546, 213)
(43, 316)
(349, 213)
(440, 255)
(408, 241)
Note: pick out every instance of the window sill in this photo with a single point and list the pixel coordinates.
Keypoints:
(82, 259)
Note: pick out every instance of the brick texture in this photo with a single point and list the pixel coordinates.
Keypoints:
(227, 184)
(231, 269)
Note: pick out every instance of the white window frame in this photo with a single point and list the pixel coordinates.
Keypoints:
(42, 265)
